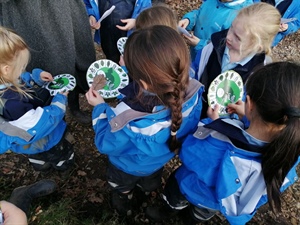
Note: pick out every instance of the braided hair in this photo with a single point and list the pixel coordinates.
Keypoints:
(159, 57)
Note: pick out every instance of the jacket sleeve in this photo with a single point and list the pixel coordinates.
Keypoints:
(201, 44)
(201, 60)
(192, 17)
(36, 131)
(40, 122)
(35, 77)
(292, 12)
(140, 6)
(292, 28)
(101, 115)
(89, 8)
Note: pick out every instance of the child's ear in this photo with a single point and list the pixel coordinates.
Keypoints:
(249, 103)
(4, 68)
(144, 84)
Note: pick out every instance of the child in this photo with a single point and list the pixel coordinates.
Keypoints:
(116, 25)
(59, 34)
(234, 170)
(144, 131)
(288, 9)
(212, 16)
(27, 125)
(159, 14)
(241, 48)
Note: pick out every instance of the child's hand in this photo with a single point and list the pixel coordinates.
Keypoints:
(45, 76)
(121, 61)
(213, 113)
(283, 27)
(238, 108)
(183, 23)
(130, 23)
(12, 214)
(93, 97)
(192, 41)
(93, 23)
(65, 93)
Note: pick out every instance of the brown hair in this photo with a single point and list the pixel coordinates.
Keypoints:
(159, 56)
(159, 14)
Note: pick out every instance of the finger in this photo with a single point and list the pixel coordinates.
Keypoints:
(216, 108)
(121, 27)
(94, 93)
(88, 93)
(209, 110)
(87, 96)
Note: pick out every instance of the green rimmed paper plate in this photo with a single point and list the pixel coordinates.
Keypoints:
(116, 77)
(226, 88)
(121, 44)
(61, 83)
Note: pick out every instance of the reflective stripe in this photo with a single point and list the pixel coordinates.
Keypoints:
(101, 116)
(60, 163)
(40, 162)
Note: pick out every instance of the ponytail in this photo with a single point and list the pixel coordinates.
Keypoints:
(278, 158)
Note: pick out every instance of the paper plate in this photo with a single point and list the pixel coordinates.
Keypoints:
(116, 77)
(61, 83)
(121, 44)
(224, 89)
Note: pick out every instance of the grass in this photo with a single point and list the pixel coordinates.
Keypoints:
(63, 212)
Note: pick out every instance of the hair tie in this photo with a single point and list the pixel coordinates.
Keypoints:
(173, 133)
(292, 112)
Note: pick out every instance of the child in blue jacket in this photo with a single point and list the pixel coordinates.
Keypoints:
(118, 24)
(235, 170)
(289, 9)
(245, 45)
(31, 121)
(212, 16)
(144, 131)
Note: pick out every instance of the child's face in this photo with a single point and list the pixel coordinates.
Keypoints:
(237, 40)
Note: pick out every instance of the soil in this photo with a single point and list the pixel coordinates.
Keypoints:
(85, 183)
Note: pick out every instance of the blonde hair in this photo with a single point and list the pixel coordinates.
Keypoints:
(159, 14)
(261, 22)
(11, 46)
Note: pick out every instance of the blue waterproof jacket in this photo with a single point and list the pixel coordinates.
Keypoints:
(137, 142)
(221, 170)
(92, 9)
(39, 129)
(211, 17)
(293, 11)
